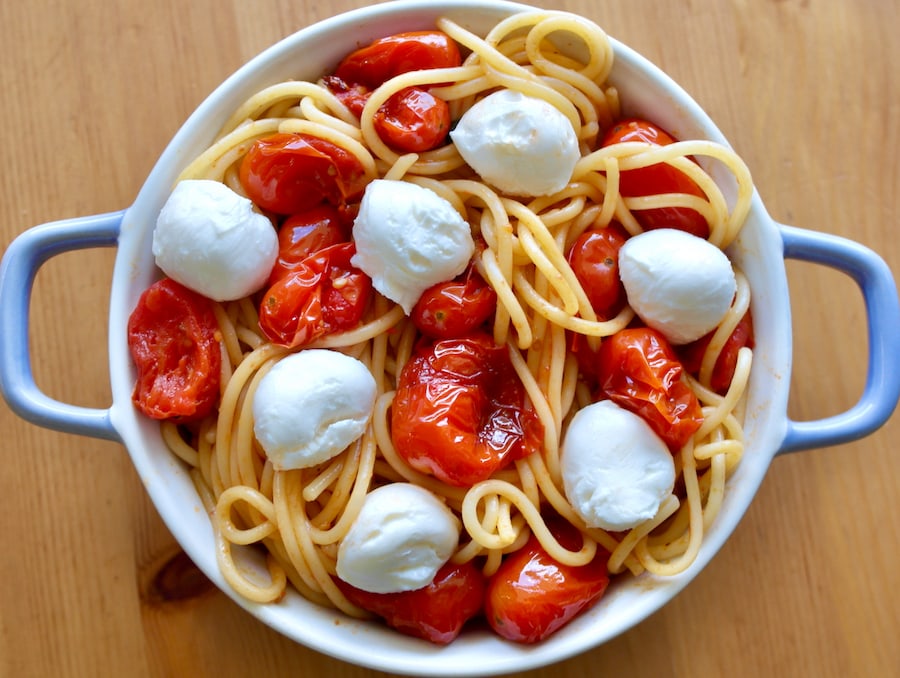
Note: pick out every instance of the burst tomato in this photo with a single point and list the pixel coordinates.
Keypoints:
(459, 412)
(287, 173)
(306, 233)
(723, 371)
(388, 57)
(656, 179)
(640, 371)
(594, 258)
(531, 595)
(325, 293)
(413, 120)
(436, 612)
(456, 307)
(173, 337)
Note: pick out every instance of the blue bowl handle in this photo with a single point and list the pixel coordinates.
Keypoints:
(882, 389)
(24, 256)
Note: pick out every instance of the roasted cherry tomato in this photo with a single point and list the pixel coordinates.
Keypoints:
(436, 612)
(388, 57)
(456, 307)
(291, 173)
(655, 179)
(173, 336)
(325, 293)
(532, 595)
(459, 412)
(353, 96)
(723, 371)
(413, 120)
(306, 233)
(594, 258)
(640, 371)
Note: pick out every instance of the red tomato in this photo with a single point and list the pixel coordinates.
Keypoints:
(388, 57)
(594, 258)
(306, 233)
(723, 371)
(655, 179)
(413, 120)
(436, 612)
(456, 307)
(173, 336)
(460, 413)
(531, 595)
(352, 96)
(323, 294)
(291, 173)
(640, 372)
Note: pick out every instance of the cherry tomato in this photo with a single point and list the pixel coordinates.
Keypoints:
(594, 258)
(306, 233)
(655, 179)
(291, 173)
(322, 295)
(723, 371)
(459, 412)
(173, 336)
(640, 372)
(531, 595)
(388, 57)
(436, 612)
(413, 120)
(353, 96)
(456, 307)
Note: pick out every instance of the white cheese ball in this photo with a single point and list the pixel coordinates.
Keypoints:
(521, 145)
(616, 471)
(409, 238)
(400, 539)
(677, 283)
(210, 239)
(310, 406)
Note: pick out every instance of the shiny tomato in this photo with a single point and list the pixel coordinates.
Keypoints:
(306, 233)
(460, 411)
(290, 173)
(640, 371)
(656, 179)
(531, 595)
(173, 337)
(325, 293)
(723, 371)
(413, 120)
(388, 57)
(456, 307)
(594, 258)
(353, 96)
(436, 612)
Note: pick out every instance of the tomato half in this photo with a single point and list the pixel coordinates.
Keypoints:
(459, 412)
(388, 57)
(324, 293)
(306, 233)
(656, 179)
(173, 337)
(640, 371)
(594, 258)
(436, 612)
(287, 173)
(531, 595)
(723, 371)
(456, 307)
(413, 120)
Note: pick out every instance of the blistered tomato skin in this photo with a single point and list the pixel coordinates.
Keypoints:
(437, 612)
(594, 258)
(455, 308)
(413, 120)
(459, 412)
(173, 337)
(656, 179)
(531, 596)
(307, 233)
(388, 57)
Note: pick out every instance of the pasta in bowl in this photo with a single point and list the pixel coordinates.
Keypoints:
(399, 335)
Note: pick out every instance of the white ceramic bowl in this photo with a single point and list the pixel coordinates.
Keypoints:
(309, 53)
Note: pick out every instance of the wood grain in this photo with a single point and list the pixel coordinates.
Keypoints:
(92, 583)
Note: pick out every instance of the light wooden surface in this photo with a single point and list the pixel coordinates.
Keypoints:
(91, 582)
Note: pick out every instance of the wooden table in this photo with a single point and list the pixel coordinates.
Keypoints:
(91, 581)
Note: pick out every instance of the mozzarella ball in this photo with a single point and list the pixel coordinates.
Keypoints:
(210, 239)
(310, 406)
(677, 283)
